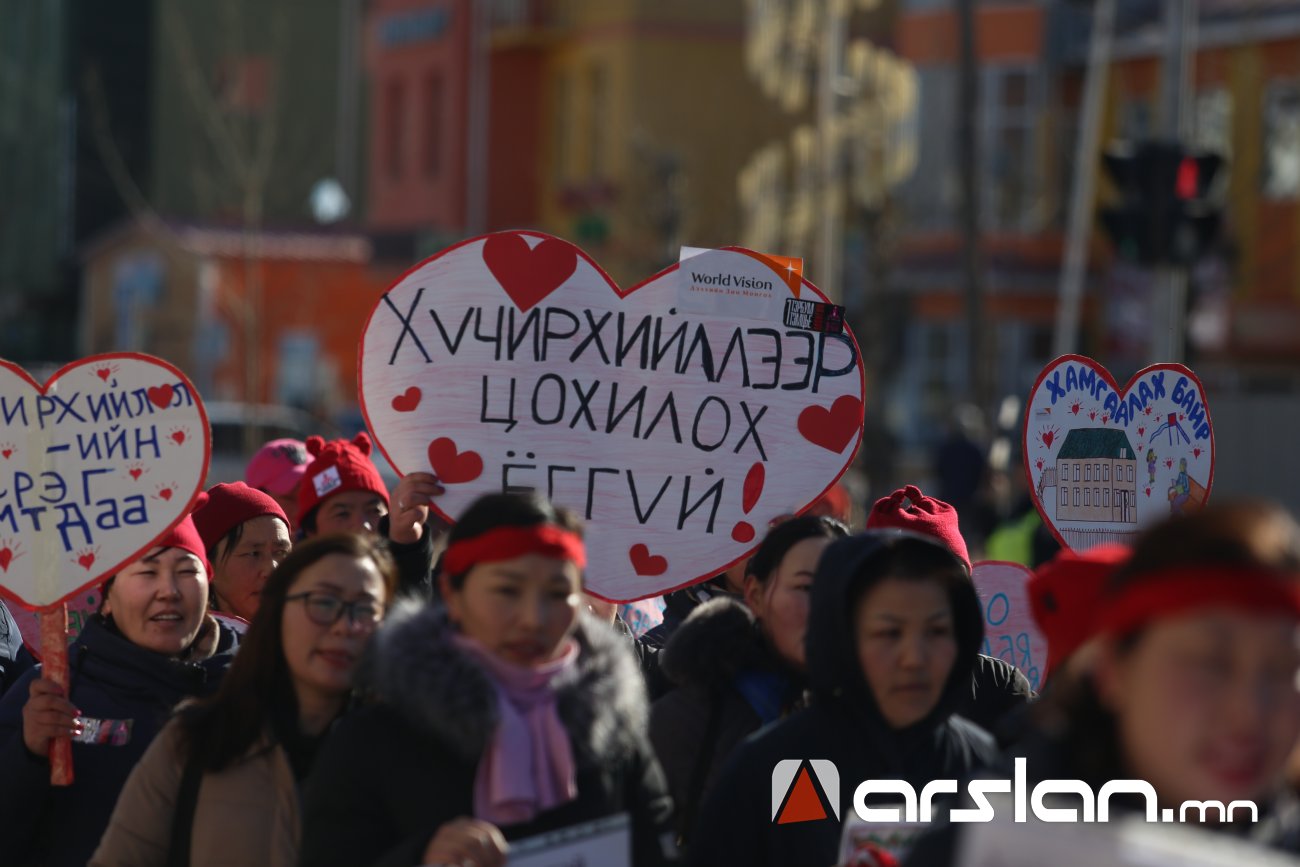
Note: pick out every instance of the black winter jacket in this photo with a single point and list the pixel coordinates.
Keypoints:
(841, 724)
(730, 683)
(114, 681)
(394, 771)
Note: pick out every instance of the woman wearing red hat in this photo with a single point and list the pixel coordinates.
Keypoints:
(1190, 684)
(152, 644)
(506, 713)
(235, 761)
(342, 492)
(246, 535)
(998, 689)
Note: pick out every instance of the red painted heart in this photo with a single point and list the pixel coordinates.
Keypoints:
(165, 493)
(135, 474)
(7, 453)
(833, 428)
(86, 560)
(6, 557)
(179, 436)
(161, 395)
(646, 563)
(528, 274)
(1048, 437)
(104, 373)
(408, 400)
(453, 467)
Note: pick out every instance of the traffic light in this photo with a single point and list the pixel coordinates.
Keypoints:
(1164, 215)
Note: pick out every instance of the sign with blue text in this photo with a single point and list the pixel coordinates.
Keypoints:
(95, 464)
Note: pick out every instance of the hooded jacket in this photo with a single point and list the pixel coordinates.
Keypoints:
(394, 771)
(132, 690)
(843, 724)
(730, 683)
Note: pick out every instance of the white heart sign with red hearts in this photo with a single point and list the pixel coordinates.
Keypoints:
(1104, 462)
(512, 362)
(96, 464)
(1010, 632)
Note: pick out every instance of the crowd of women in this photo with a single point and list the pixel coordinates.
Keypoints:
(291, 677)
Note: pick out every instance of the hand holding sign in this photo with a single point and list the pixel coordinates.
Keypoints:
(511, 362)
(1104, 462)
(97, 463)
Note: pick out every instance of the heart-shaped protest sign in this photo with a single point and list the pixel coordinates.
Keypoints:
(1149, 452)
(73, 506)
(1010, 633)
(674, 417)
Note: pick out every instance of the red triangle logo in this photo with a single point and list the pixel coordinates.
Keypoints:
(803, 804)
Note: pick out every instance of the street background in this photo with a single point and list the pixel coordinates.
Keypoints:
(232, 185)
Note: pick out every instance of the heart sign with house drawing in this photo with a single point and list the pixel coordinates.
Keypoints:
(1104, 462)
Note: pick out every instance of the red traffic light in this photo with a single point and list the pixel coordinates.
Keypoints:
(1188, 183)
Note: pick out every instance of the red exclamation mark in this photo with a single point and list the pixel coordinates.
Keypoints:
(754, 479)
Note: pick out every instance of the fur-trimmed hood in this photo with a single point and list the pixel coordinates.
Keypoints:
(717, 641)
(414, 667)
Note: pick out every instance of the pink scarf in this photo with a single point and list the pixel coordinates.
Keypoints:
(527, 767)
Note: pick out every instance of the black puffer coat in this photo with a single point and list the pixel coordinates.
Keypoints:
(132, 691)
(393, 772)
(730, 683)
(843, 725)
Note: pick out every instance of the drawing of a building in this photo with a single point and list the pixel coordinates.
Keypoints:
(1096, 477)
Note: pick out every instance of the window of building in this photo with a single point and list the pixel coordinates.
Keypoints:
(431, 134)
(1105, 471)
(1096, 472)
(1065, 496)
(1076, 472)
(1076, 496)
(1087, 496)
(564, 121)
(1105, 495)
(1130, 472)
(1087, 472)
(394, 126)
(597, 120)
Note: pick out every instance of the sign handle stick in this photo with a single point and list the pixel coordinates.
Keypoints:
(54, 667)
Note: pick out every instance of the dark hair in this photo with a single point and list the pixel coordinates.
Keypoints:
(784, 536)
(230, 540)
(258, 688)
(1247, 535)
(507, 510)
(307, 525)
(910, 557)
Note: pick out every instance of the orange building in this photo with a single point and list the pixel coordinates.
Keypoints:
(275, 317)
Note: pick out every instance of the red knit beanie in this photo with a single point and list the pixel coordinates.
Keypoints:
(338, 466)
(230, 505)
(186, 536)
(1065, 593)
(909, 509)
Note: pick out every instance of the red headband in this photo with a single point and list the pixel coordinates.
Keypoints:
(1178, 591)
(506, 543)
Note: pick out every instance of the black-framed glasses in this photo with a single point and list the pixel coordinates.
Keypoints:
(325, 610)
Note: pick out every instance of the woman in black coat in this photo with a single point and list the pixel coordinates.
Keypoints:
(152, 645)
(892, 636)
(504, 715)
(738, 665)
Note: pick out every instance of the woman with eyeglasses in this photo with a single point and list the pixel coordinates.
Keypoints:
(505, 713)
(221, 783)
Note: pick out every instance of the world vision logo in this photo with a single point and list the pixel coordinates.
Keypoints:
(805, 790)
